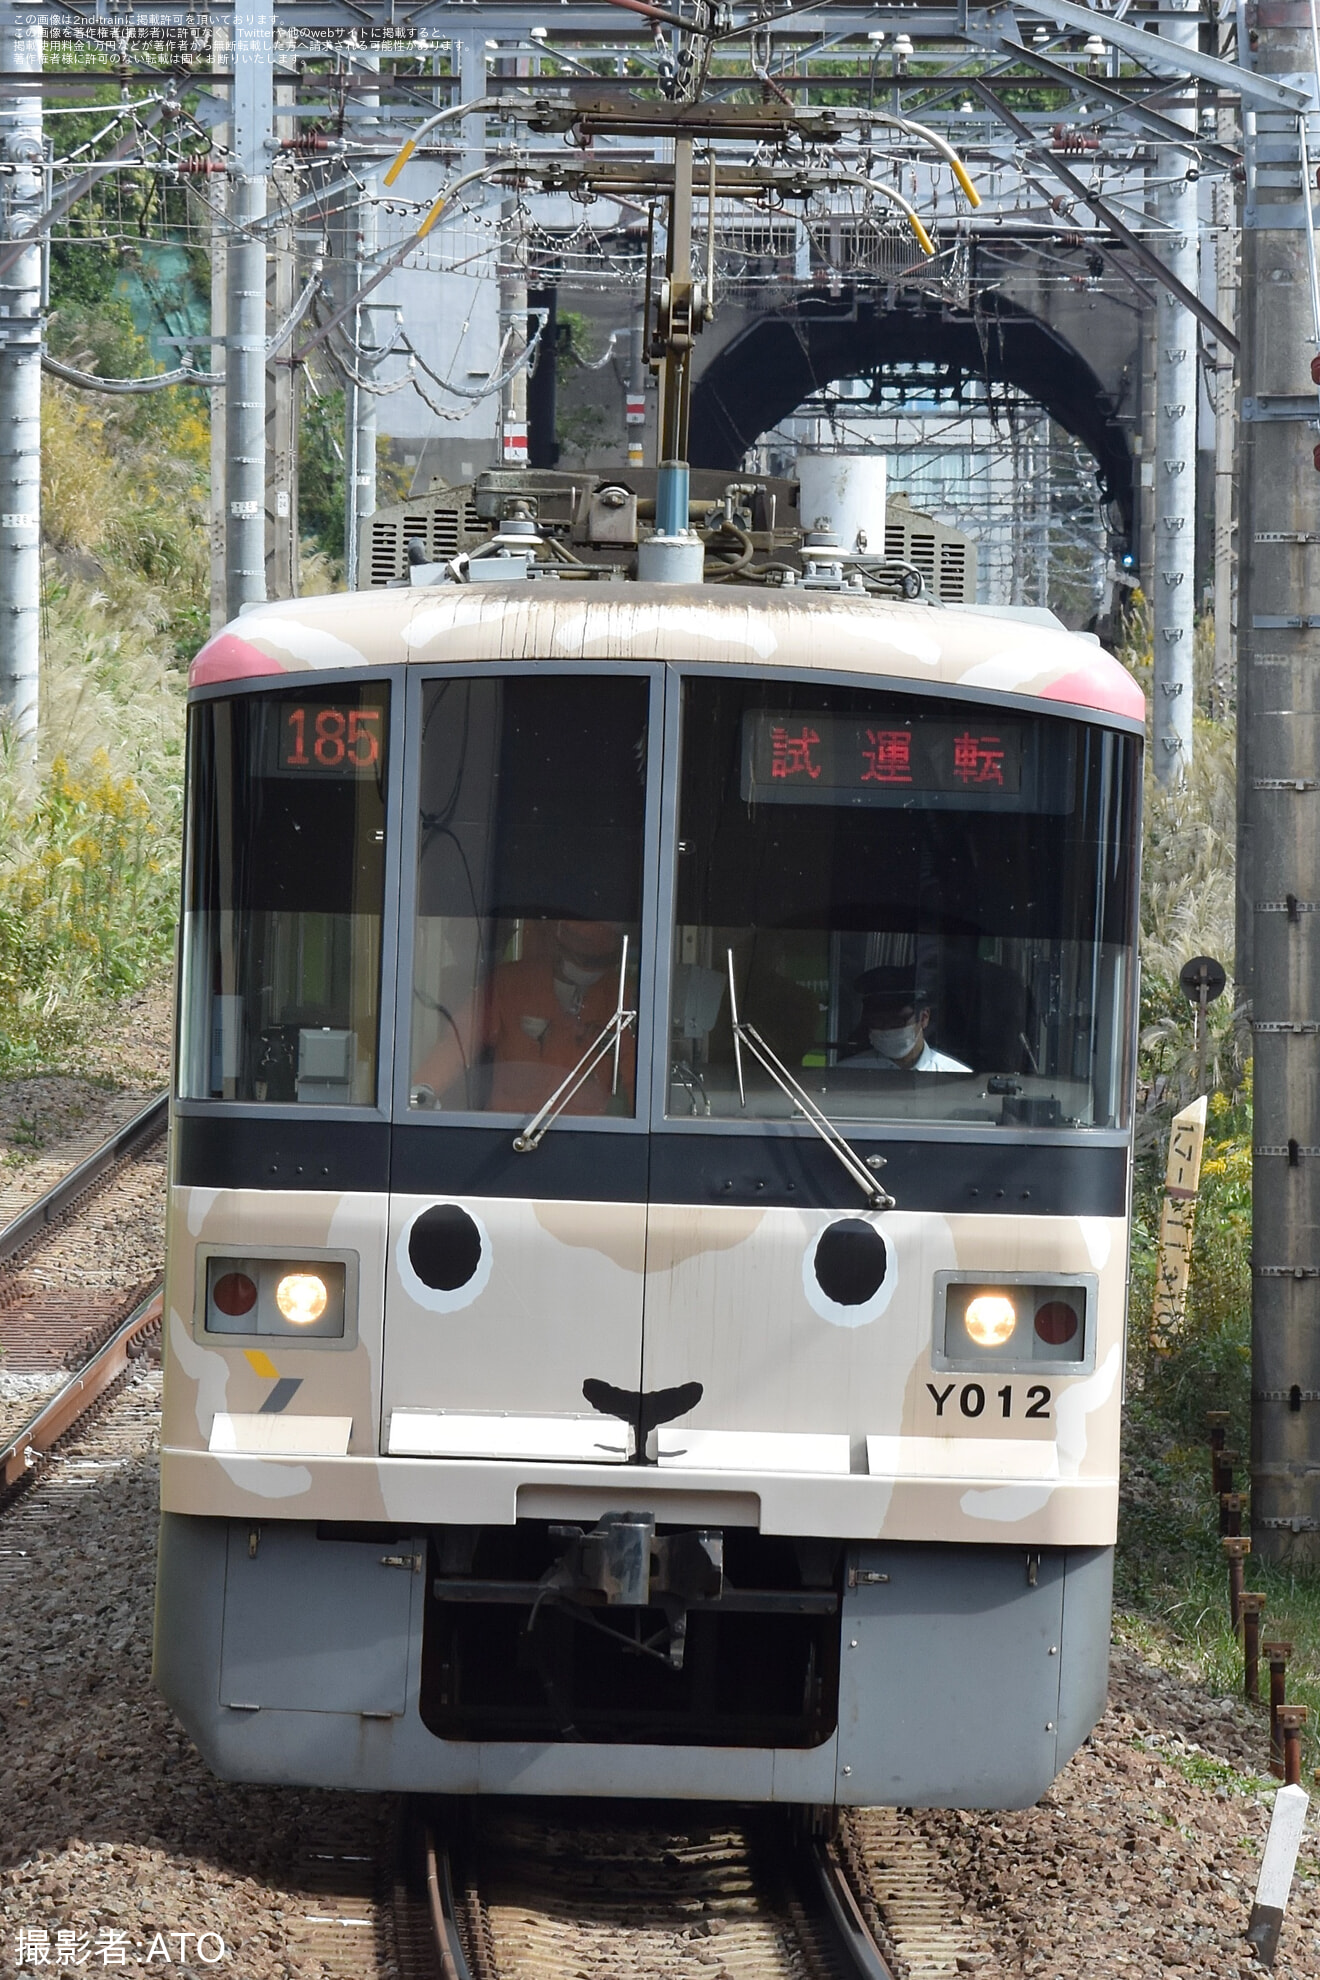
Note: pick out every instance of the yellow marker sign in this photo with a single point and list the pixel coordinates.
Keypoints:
(261, 1364)
(1182, 1180)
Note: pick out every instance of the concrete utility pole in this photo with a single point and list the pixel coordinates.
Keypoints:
(281, 503)
(360, 404)
(635, 415)
(245, 348)
(513, 395)
(1042, 502)
(282, 400)
(513, 313)
(1145, 491)
(1173, 602)
(1224, 209)
(220, 367)
(20, 387)
(1279, 773)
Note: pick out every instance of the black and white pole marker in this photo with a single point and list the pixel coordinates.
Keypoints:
(1276, 1871)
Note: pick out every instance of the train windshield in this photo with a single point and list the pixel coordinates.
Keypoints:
(284, 898)
(529, 891)
(926, 908)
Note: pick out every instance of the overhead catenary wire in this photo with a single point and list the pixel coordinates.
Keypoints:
(497, 379)
(91, 381)
(899, 146)
(182, 374)
(398, 255)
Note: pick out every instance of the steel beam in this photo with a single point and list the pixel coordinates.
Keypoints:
(1123, 108)
(499, 17)
(1169, 277)
(1168, 55)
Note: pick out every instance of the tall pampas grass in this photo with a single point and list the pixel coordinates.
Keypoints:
(89, 840)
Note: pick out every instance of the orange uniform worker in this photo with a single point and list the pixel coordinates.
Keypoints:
(531, 1024)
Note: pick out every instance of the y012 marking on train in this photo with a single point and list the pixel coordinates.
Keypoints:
(973, 1400)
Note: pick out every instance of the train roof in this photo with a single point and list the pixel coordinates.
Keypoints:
(790, 628)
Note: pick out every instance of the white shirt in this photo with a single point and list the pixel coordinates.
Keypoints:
(929, 1061)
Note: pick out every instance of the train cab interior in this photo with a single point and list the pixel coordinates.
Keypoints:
(922, 905)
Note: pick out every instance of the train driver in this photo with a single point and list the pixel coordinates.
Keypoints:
(896, 1011)
(531, 1023)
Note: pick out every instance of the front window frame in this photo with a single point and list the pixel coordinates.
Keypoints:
(656, 815)
(310, 682)
(879, 1129)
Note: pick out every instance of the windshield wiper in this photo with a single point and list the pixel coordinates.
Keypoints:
(837, 1143)
(609, 1040)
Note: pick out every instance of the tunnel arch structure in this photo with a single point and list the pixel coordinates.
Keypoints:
(765, 372)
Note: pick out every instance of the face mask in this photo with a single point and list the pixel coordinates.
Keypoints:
(895, 1044)
(577, 975)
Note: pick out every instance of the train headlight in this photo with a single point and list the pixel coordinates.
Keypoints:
(990, 1319)
(308, 1299)
(301, 1297)
(1015, 1322)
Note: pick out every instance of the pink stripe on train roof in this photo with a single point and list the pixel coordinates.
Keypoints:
(1104, 684)
(378, 629)
(229, 658)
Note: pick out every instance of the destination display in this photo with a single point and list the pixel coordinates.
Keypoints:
(830, 758)
(307, 738)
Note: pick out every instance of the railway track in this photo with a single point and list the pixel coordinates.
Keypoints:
(99, 1377)
(97, 1332)
(507, 1890)
(32, 1226)
(533, 1894)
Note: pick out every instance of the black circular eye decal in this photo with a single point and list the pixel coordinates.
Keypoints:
(850, 1262)
(446, 1254)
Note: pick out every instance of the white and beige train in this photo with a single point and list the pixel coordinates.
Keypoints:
(649, 1188)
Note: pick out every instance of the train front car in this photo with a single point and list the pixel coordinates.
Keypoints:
(650, 1180)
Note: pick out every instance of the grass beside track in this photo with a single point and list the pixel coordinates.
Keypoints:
(1172, 1583)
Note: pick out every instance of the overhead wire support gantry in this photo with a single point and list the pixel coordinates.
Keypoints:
(1071, 131)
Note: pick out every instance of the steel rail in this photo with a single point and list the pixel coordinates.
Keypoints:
(834, 1914)
(829, 1887)
(444, 1920)
(84, 1387)
(146, 1126)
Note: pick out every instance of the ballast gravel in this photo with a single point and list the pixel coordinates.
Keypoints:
(1142, 1858)
(112, 1832)
(115, 1242)
(1140, 1861)
(51, 1120)
(110, 1250)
